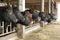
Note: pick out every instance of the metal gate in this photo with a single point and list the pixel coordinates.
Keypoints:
(9, 29)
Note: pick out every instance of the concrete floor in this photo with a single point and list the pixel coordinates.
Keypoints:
(7, 37)
(49, 32)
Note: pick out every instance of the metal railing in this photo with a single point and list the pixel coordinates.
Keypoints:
(9, 29)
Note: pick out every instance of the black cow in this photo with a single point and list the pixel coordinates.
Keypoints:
(24, 20)
(2, 11)
(42, 15)
(34, 14)
(47, 17)
(53, 16)
(50, 17)
(8, 17)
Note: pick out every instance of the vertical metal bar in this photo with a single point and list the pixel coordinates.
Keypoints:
(7, 29)
(10, 26)
(52, 6)
(3, 27)
(14, 28)
(42, 5)
(0, 28)
(49, 1)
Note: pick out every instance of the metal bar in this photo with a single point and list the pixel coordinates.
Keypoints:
(42, 5)
(49, 1)
(6, 33)
(6, 29)
(10, 26)
(33, 28)
(3, 27)
(0, 28)
(52, 7)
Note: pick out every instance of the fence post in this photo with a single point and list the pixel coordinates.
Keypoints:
(20, 29)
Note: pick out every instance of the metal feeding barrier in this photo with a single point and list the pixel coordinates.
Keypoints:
(22, 30)
(9, 29)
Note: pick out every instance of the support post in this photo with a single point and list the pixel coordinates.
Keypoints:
(20, 29)
(52, 7)
(42, 5)
(49, 1)
(42, 10)
(21, 5)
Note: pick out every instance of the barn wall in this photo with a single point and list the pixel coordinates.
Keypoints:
(37, 6)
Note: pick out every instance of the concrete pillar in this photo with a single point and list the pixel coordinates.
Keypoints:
(21, 5)
(42, 10)
(20, 29)
(52, 8)
(42, 5)
(49, 6)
